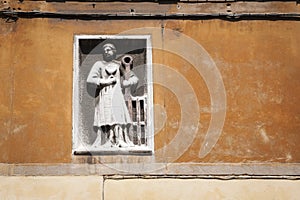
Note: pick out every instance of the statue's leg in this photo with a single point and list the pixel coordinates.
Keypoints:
(112, 136)
(108, 139)
(120, 137)
(121, 134)
(126, 135)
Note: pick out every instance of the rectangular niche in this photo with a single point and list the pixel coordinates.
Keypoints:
(112, 95)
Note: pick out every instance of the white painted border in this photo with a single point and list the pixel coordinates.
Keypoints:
(76, 113)
(75, 101)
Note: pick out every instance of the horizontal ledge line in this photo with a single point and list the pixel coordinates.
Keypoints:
(183, 176)
(208, 170)
(112, 152)
(112, 16)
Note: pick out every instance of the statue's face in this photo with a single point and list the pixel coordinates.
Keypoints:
(108, 53)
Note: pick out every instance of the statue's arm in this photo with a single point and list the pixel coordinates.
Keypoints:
(95, 77)
(132, 80)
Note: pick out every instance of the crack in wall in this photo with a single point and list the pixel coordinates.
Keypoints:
(182, 176)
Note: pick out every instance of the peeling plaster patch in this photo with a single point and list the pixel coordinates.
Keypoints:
(174, 124)
(19, 128)
(205, 109)
(288, 157)
(262, 97)
(7, 126)
(7, 28)
(264, 135)
(160, 118)
(277, 99)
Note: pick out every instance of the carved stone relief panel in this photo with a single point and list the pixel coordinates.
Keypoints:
(112, 95)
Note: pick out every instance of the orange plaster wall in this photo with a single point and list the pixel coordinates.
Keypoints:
(258, 61)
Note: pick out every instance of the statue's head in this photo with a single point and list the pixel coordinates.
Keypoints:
(109, 52)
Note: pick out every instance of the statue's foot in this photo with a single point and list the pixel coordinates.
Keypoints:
(108, 144)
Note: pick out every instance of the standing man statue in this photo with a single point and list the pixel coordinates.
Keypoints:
(111, 117)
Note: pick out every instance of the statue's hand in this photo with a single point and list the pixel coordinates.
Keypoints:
(112, 79)
(126, 83)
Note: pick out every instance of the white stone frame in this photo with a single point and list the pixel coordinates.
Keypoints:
(77, 147)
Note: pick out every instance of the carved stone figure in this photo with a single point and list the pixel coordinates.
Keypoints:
(111, 116)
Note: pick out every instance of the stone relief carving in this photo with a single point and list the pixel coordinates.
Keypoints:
(114, 87)
(111, 114)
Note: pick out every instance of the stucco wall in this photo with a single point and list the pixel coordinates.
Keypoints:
(226, 98)
(87, 187)
(257, 61)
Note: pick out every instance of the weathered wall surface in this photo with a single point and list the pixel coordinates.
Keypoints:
(45, 187)
(258, 62)
(94, 188)
(201, 189)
